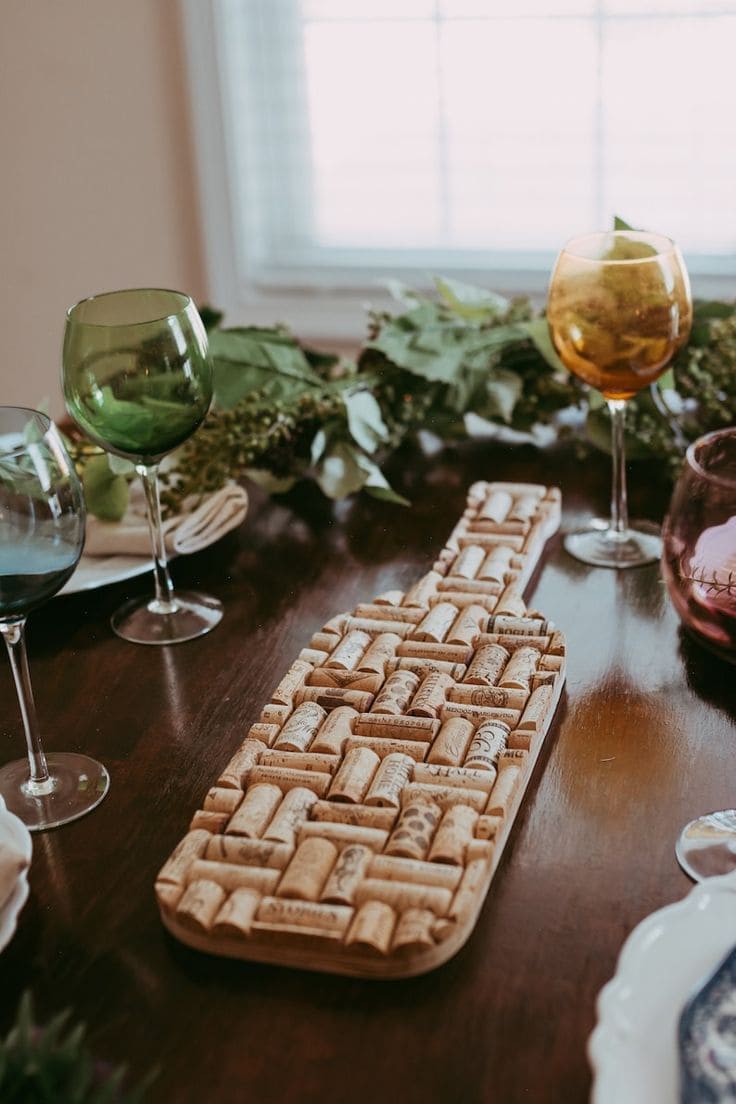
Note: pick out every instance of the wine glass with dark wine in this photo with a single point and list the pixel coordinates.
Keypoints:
(619, 307)
(137, 380)
(41, 537)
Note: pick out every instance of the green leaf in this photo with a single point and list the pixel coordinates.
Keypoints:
(378, 487)
(106, 493)
(250, 359)
(466, 300)
(365, 421)
(502, 392)
(619, 224)
(340, 473)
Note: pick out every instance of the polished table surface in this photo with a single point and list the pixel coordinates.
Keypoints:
(642, 741)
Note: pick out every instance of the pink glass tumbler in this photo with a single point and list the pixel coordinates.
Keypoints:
(699, 537)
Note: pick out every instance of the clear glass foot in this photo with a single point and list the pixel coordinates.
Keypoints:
(75, 786)
(148, 621)
(600, 546)
(707, 845)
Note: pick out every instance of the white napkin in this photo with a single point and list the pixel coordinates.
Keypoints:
(208, 520)
(12, 865)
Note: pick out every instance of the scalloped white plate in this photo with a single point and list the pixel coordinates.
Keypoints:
(633, 1049)
(14, 832)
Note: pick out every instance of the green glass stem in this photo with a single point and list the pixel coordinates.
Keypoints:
(164, 601)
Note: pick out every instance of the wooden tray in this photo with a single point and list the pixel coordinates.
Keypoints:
(358, 827)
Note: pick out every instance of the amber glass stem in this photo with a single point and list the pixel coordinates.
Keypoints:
(619, 505)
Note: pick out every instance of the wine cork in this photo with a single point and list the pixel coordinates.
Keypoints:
(404, 895)
(524, 507)
(436, 624)
(422, 590)
(463, 599)
(504, 792)
(336, 624)
(332, 697)
(275, 714)
(345, 680)
(168, 896)
(460, 777)
(354, 777)
(542, 678)
(513, 757)
(474, 590)
(365, 816)
(267, 733)
(478, 714)
(431, 695)
(469, 894)
(513, 643)
(230, 876)
(422, 667)
(200, 904)
(344, 834)
(467, 563)
(313, 656)
(301, 727)
(402, 728)
(309, 869)
(496, 506)
(393, 869)
(376, 626)
(372, 927)
(488, 827)
(494, 696)
(325, 641)
(496, 565)
(248, 852)
(334, 731)
(412, 836)
(285, 779)
(291, 813)
(479, 849)
(256, 810)
(492, 540)
(377, 612)
(348, 652)
(444, 796)
(389, 598)
(557, 644)
(520, 668)
(209, 820)
(414, 930)
(518, 626)
(293, 679)
(421, 649)
(510, 604)
(301, 760)
(304, 914)
(537, 709)
(392, 774)
(521, 741)
(383, 746)
(237, 913)
(174, 870)
(451, 742)
(397, 692)
(222, 799)
(453, 835)
(553, 663)
(484, 525)
(245, 758)
(487, 664)
(470, 622)
(486, 746)
(346, 875)
(380, 652)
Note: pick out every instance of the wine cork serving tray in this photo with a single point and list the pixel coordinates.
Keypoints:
(358, 826)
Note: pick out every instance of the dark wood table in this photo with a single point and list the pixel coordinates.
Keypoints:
(643, 740)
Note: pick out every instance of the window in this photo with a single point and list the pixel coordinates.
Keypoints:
(343, 142)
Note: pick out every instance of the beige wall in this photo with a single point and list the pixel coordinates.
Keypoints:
(96, 171)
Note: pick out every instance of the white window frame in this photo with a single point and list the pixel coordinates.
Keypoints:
(314, 299)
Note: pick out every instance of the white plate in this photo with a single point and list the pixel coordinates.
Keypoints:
(633, 1049)
(97, 571)
(14, 832)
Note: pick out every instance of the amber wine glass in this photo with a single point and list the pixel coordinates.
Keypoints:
(137, 379)
(619, 307)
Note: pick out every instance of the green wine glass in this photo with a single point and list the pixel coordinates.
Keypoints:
(41, 536)
(137, 380)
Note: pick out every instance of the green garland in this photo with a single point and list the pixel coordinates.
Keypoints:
(283, 412)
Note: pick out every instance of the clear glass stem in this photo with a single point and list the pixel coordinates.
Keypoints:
(164, 602)
(14, 635)
(619, 505)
